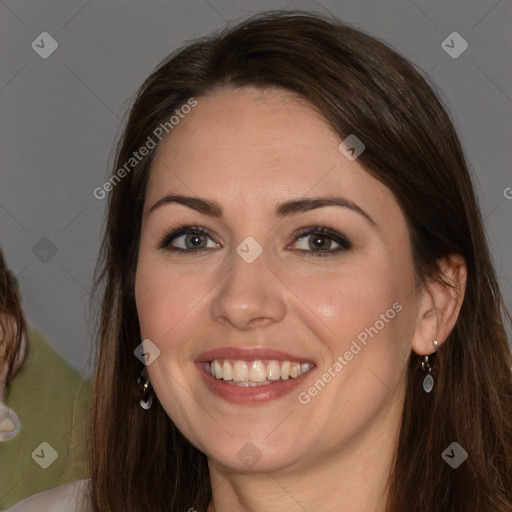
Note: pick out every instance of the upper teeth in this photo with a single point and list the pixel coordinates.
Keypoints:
(255, 371)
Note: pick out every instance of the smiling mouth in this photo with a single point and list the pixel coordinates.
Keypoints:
(259, 372)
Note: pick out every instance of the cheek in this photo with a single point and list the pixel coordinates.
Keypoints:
(366, 316)
(167, 305)
(348, 303)
(163, 299)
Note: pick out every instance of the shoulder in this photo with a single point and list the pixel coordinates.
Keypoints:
(71, 497)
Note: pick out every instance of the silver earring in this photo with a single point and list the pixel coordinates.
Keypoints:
(147, 396)
(428, 381)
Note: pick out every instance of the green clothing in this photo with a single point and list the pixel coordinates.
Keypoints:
(51, 400)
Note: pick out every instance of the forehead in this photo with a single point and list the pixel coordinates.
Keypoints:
(257, 147)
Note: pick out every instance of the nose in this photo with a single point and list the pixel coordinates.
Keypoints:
(249, 296)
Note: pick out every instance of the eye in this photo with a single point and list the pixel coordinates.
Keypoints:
(188, 238)
(317, 241)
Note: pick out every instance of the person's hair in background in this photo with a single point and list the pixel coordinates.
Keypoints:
(13, 341)
(13, 326)
(361, 87)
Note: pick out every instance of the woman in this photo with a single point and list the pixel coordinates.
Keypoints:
(295, 253)
(13, 346)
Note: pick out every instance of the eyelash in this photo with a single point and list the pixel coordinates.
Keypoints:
(301, 233)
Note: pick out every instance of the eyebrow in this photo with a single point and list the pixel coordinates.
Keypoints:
(285, 209)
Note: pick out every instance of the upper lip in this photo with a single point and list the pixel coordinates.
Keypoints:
(249, 354)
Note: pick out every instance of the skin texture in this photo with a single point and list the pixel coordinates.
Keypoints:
(248, 150)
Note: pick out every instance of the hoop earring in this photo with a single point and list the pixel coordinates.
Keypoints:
(9, 423)
(147, 396)
(428, 381)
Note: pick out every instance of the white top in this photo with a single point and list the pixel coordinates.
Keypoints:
(72, 497)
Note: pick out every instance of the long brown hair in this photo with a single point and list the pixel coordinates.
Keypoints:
(138, 460)
(13, 325)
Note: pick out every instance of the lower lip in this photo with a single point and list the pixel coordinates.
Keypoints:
(250, 394)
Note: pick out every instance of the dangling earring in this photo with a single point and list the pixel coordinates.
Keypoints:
(147, 397)
(428, 381)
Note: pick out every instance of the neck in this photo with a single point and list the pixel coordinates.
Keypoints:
(353, 478)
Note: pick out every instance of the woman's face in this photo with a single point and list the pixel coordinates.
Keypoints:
(261, 288)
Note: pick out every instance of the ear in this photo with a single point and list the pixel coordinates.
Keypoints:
(440, 305)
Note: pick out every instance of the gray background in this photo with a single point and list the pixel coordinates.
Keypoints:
(60, 117)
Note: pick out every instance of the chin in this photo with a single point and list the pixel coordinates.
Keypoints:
(253, 454)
